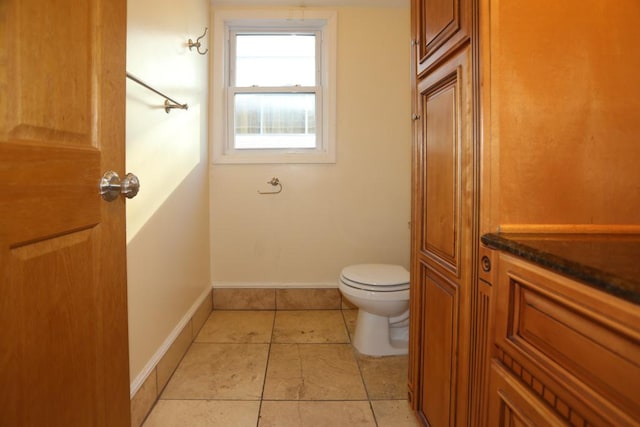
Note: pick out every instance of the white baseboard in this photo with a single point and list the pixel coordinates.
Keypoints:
(274, 285)
(151, 364)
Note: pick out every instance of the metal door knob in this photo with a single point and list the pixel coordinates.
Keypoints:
(111, 186)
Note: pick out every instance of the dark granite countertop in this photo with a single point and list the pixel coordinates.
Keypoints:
(609, 262)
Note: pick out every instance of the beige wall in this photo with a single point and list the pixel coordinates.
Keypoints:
(330, 215)
(167, 223)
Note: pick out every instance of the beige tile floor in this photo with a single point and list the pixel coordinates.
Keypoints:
(282, 368)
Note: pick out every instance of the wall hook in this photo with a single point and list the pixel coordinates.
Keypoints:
(276, 183)
(197, 43)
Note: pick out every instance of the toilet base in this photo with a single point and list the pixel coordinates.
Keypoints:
(375, 337)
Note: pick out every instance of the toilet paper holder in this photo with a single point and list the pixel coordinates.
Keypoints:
(276, 183)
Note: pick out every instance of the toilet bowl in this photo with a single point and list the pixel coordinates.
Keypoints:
(381, 293)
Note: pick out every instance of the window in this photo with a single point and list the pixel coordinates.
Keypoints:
(273, 87)
(273, 90)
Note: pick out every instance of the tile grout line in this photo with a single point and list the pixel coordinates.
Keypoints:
(355, 356)
(266, 367)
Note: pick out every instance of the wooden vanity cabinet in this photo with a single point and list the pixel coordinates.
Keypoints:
(564, 353)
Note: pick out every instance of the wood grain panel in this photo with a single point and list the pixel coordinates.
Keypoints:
(565, 102)
(442, 177)
(576, 347)
(513, 405)
(439, 360)
(443, 26)
(439, 16)
(442, 171)
(547, 390)
(49, 189)
(60, 108)
(482, 339)
(603, 357)
(51, 312)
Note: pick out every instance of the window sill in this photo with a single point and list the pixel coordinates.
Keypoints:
(253, 157)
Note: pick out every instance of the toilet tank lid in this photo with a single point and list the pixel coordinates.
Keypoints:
(377, 274)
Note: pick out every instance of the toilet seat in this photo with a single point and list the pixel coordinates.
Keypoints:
(376, 277)
(373, 288)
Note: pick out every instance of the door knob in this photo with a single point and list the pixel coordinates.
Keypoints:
(111, 186)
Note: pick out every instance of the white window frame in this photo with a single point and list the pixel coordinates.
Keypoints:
(224, 23)
(233, 89)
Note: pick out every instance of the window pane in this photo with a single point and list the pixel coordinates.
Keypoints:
(275, 60)
(275, 120)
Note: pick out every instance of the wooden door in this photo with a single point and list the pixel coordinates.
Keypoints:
(63, 315)
(443, 243)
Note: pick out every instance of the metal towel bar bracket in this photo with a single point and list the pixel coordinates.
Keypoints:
(276, 183)
(169, 103)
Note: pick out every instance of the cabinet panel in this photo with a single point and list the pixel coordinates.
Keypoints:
(442, 25)
(564, 113)
(482, 341)
(440, 332)
(439, 16)
(581, 344)
(444, 169)
(442, 180)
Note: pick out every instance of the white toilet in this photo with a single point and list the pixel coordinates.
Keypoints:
(381, 293)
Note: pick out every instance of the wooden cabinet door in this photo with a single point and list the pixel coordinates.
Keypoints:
(442, 26)
(63, 314)
(442, 239)
(440, 348)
